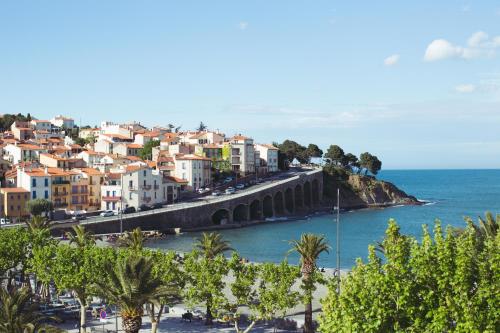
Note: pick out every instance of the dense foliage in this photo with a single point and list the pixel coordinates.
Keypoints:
(146, 152)
(447, 282)
(6, 120)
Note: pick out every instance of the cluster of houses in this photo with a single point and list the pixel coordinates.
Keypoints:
(40, 159)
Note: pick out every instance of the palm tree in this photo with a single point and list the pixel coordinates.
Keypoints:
(212, 244)
(309, 247)
(38, 223)
(19, 315)
(133, 240)
(81, 237)
(130, 285)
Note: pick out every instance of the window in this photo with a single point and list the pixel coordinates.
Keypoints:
(114, 193)
(46, 194)
(33, 182)
(183, 165)
(18, 207)
(130, 195)
(183, 175)
(144, 182)
(11, 207)
(46, 182)
(33, 195)
(25, 195)
(19, 197)
(107, 193)
(131, 183)
(144, 173)
(155, 195)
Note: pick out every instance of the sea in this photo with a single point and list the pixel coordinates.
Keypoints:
(450, 195)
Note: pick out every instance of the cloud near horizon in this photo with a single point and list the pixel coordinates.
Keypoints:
(479, 45)
(465, 88)
(391, 60)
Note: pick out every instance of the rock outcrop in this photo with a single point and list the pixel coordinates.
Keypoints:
(362, 192)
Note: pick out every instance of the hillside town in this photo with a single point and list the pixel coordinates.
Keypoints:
(118, 167)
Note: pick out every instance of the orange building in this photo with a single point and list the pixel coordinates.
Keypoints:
(13, 202)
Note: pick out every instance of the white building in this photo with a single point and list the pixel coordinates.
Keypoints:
(63, 122)
(196, 170)
(241, 154)
(269, 154)
(20, 152)
(37, 181)
(44, 125)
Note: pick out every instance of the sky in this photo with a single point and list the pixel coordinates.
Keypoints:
(417, 84)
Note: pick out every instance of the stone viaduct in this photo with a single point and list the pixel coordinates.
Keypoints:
(297, 195)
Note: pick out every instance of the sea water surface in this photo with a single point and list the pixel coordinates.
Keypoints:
(452, 195)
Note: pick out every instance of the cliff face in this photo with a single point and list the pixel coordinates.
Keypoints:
(361, 192)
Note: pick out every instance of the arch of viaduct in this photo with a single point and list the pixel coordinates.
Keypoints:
(293, 196)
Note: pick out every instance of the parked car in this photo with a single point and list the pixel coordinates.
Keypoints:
(78, 217)
(230, 190)
(107, 213)
(5, 220)
(216, 193)
(201, 190)
(228, 180)
(156, 205)
(144, 207)
(240, 186)
(128, 210)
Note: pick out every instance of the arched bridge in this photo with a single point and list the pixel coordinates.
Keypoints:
(296, 195)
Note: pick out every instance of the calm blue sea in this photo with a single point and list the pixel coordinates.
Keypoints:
(452, 194)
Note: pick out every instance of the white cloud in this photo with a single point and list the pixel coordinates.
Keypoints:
(479, 46)
(440, 49)
(243, 25)
(391, 60)
(465, 88)
(477, 38)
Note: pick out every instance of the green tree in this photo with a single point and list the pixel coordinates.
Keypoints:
(73, 268)
(167, 268)
(133, 240)
(351, 161)
(130, 284)
(14, 243)
(447, 282)
(18, 314)
(81, 237)
(212, 244)
(201, 127)
(335, 154)
(265, 289)
(146, 152)
(312, 151)
(39, 206)
(205, 282)
(291, 150)
(309, 247)
(370, 163)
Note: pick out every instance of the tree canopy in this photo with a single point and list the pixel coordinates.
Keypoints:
(39, 206)
(446, 282)
(146, 152)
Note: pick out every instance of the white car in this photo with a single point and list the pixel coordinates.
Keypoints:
(4, 221)
(240, 186)
(230, 190)
(107, 213)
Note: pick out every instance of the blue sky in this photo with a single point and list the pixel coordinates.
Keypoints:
(416, 84)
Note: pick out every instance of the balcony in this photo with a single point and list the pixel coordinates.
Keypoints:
(60, 194)
(60, 182)
(111, 198)
(156, 187)
(145, 187)
(132, 188)
(60, 204)
(146, 199)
